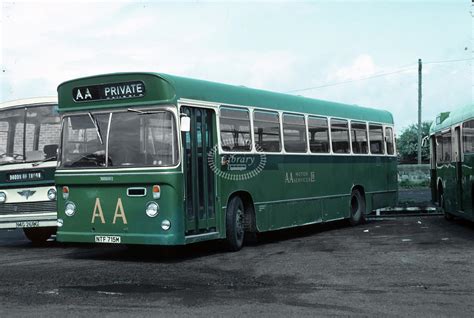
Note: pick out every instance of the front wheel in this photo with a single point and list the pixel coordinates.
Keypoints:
(448, 216)
(357, 206)
(235, 224)
(39, 235)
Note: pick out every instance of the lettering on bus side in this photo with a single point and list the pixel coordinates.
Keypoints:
(99, 213)
(300, 177)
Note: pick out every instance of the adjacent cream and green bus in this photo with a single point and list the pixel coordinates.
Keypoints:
(29, 137)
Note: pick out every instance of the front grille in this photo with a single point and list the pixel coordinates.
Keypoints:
(27, 207)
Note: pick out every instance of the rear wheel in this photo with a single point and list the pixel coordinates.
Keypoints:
(357, 206)
(39, 234)
(235, 229)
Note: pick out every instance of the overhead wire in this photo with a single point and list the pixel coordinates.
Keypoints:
(401, 69)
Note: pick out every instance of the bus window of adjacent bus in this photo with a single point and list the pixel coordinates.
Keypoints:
(359, 138)
(18, 145)
(340, 136)
(439, 148)
(447, 148)
(266, 129)
(42, 122)
(376, 139)
(294, 133)
(389, 140)
(3, 136)
(468, 136)
(318, 134)
(235, 129)
(443, 147)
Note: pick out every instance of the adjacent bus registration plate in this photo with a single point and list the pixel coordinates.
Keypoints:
(107, 239)
(27, 224)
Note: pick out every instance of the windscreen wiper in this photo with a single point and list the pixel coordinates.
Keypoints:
(148, 112)
(97, 129)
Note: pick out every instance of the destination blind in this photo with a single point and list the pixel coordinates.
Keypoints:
(108, 91)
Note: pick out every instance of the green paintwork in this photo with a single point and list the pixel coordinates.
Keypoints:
(163, 88)
(448, 119)
(455, 178)
(291, 190)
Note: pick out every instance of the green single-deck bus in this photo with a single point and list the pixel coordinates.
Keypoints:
(452, 162)
(151, 158)
(29, 138)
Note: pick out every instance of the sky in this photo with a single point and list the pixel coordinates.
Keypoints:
(318, 49)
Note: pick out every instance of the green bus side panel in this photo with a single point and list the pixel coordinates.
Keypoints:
(468, 184)
(433, 185)
(292, 190)
(447, 174)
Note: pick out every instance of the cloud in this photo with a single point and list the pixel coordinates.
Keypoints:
(362, 66)
(259, 46)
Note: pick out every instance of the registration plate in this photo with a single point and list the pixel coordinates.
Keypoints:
(107, 239)
(27, 224)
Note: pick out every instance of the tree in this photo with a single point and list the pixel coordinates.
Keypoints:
(407, 144)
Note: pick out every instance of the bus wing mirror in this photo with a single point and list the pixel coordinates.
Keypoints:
(185, 124)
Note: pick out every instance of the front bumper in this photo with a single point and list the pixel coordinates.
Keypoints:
(125, 238)
(21, 220)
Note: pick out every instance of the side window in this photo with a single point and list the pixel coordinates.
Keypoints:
(3, 136)
(340, 136)
(468, 136)
(389, 140)
(359, 137)
(235, 129)
(294, 133)
(266, 130)
(318, 134)
(30, 131)
(376, 139)
(439, 148)
(447, 147)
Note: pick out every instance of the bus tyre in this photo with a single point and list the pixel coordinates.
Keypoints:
(357, 205)
(235, 224)
(39, 235)
(448, 216)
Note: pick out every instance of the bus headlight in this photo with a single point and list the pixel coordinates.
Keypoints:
(70, 209)
(3, 197)
(152, 209)
(165, 225)
(52, 194)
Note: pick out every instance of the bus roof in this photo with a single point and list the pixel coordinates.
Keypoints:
(174, 88)
(29, 101)
(447, 119)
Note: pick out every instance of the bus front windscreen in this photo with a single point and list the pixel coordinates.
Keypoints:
(120, 139)
(29, 134)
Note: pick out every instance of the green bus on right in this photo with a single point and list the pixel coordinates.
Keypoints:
(452, 162)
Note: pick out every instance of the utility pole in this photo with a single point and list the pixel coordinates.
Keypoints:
(419, 111)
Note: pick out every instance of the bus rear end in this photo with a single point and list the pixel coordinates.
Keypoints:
(119, 178)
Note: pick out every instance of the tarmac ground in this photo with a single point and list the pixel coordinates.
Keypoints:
(403, 266)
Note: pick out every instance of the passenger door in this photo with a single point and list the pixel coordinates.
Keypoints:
(200, 179)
